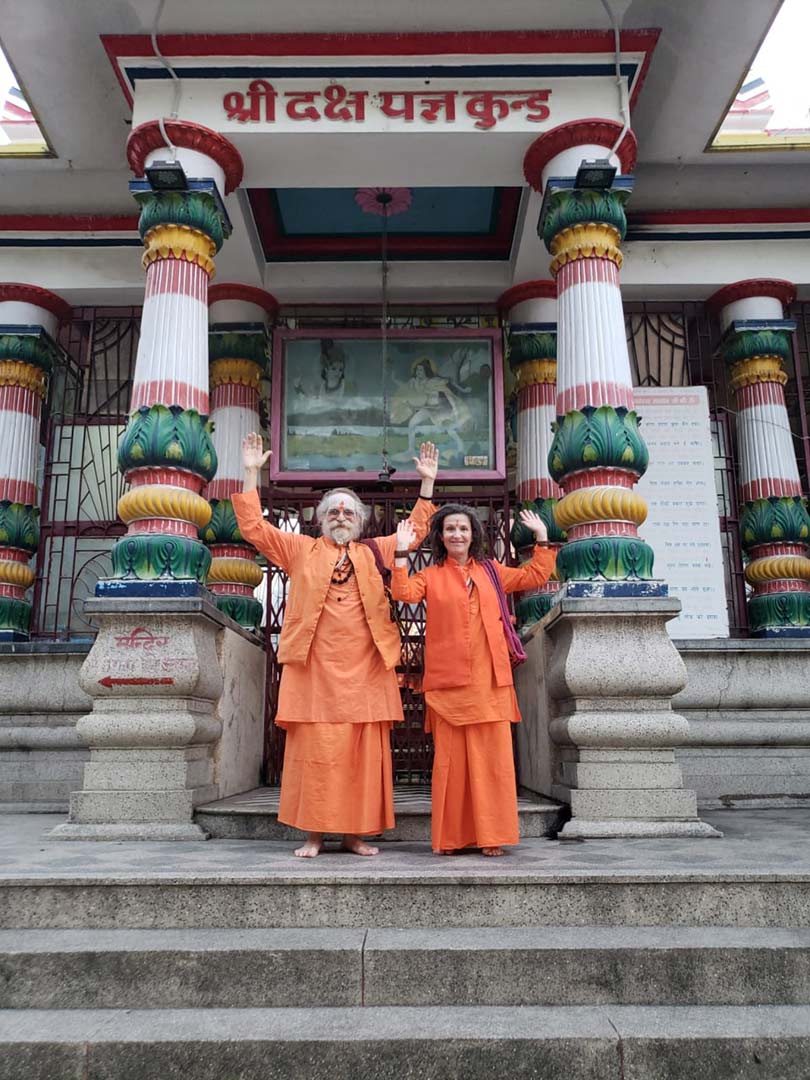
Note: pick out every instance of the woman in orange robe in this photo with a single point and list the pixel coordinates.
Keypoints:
(339, 648)
(469, 692)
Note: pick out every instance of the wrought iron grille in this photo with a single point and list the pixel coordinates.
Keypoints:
(797, 390)
(86, 415)
(293, 511)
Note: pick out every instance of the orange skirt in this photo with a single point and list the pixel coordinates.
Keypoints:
(474, 802)
(337, 778)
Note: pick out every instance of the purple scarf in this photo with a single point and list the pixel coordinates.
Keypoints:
(517, 654)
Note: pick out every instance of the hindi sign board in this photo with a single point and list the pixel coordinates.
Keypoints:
(683, 524)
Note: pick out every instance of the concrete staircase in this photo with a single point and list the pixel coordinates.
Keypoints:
(569, 961)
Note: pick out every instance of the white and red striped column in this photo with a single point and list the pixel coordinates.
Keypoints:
(597, 454)
(29, 318)
(529, 310)
(238, 354)
(774, 522)
(166, 453)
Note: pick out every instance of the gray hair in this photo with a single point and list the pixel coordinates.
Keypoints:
(363, 511)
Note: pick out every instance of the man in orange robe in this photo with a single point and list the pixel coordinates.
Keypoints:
(339, 647)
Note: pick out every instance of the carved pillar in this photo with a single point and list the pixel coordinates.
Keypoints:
(531, 312)
(774, 523)
(238, 350)
(29, 317)
(166, 452)
(611, 669)
(154, 670)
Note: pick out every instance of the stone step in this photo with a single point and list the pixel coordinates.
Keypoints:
(578, 1043)
(184, 969)
(405, 887)
(253, 815)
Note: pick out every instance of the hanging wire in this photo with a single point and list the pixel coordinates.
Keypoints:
(384, 199)
(175, 79)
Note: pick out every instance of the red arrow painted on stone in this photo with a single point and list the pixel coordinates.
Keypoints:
(109, 681)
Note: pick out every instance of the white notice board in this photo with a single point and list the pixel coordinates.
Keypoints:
(683, 526)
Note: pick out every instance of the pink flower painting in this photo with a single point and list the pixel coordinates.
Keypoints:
(383, 200)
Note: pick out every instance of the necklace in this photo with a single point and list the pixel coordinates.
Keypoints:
(342, 570)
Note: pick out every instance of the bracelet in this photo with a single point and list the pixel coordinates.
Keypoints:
(401, 554)
(541, 543)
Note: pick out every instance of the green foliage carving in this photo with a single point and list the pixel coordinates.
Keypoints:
(597, 438)
(522, 537)
(161, 437)
(155, 557)
(747, 343)
(223, 528)
(197, 209)
(609, 558)
(578, 207)
(530, 609)
(235, 346)
(531, 346)
(243, 610)
(775, 520)
(19, 526)
(15, 616)
(779, 611)
(35, 348)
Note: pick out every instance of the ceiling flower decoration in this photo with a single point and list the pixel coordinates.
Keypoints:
(383, 200)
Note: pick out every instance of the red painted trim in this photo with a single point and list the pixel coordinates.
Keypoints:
(464, 42)
(760, 216)
(276, 245)
(594, 130)
(234, 291)
(33, 294)
(526, 290)
(784, 291)
(147, 137)
(317, 477)
(59, 223)
(454, 43)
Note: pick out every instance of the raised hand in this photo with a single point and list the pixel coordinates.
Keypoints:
(427, 464)
(253, 455)
(534, 522)
(406, 535)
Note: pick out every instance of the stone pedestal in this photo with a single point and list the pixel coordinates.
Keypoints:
(611, 673)
(155, 679)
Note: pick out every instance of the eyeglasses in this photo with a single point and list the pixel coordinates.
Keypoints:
(333, 515)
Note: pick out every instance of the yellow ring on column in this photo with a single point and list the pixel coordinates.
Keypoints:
(18, 373)
(235, 571)
(755, 369)
(585, 240)
(155, 500)
(246, 372)
(600, 504)
(777, 567)
(176, 241)
(534, 372)
(16, 573)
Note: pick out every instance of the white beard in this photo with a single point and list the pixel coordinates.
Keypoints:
(341, 534)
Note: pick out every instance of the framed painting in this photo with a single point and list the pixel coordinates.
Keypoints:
(337, 403)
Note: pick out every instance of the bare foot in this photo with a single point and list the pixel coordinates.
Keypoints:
(442, 851)
(492, 852)
(312, 846)
(357, 846)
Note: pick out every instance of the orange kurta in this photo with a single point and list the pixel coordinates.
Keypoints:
(474, 796)
(339, 694)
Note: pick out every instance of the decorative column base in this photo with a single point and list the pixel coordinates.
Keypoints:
(611, 675)
(155, 680)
